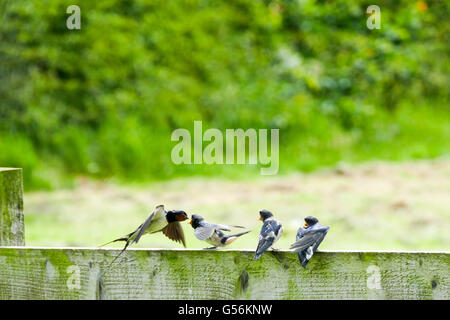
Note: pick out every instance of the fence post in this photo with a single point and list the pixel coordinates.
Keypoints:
(11, 207)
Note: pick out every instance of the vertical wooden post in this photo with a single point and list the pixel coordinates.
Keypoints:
(11, 207)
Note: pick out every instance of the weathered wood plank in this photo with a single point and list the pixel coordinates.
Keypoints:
(11, 207)
(80, 273)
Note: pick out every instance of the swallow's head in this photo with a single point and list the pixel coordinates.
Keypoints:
(176, 215)
(310, 221)
(195, 220)
(265, 214)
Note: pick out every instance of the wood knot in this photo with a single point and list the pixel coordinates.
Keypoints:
(243, 280)
(100, 289)
(433, 284)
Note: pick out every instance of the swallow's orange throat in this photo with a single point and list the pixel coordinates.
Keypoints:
(181, 217)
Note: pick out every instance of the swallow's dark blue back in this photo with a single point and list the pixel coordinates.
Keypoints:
(269, 226)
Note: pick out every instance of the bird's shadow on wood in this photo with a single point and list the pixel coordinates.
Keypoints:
(281, 258)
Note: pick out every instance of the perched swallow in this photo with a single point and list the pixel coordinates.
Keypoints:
(213, 233)
(308, 239)
(159, 220)
(270, 232)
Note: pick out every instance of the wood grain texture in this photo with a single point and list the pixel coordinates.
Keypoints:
(80, 273)
(11, 207)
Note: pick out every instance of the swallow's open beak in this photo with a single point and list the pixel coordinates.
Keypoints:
(190, 221)
(305, 225)
(260, 218)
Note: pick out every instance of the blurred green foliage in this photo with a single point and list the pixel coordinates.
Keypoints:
(102, 101)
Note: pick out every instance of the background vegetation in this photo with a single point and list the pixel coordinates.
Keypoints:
(102, 101)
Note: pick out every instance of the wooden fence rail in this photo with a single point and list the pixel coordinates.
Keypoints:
(11, 207)
(82, 273)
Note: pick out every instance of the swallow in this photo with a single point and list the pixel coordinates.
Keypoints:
(308, 239)
(270, 232)
(213, 233)
(168, 222)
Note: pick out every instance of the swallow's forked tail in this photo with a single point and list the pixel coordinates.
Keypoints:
(120, 253)
(240, 234)
(233, 237)
(120, 239)
(128, 242)
(257, 256)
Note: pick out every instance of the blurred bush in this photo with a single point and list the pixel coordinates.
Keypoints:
(102, 101)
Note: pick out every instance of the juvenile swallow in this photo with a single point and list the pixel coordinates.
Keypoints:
(270, 232)
(213, 233)
(159, 220)
(308, 239)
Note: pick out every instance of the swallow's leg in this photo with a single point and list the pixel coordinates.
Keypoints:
(211, 248)
(275, 249)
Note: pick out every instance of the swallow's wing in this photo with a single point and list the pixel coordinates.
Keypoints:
(267, 236)
(174, 231)
(310, 238)
(223, 227)
(300, 233)
(227, 227)
(204, 232)
(264, 244)
(305, 241)
(144, 226)
(323, 232)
